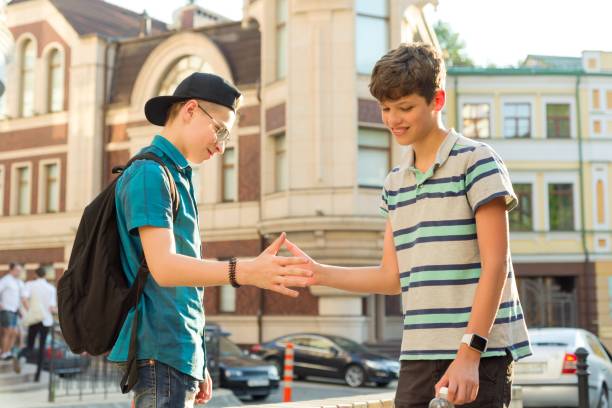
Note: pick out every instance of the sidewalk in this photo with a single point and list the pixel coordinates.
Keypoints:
(19, 391)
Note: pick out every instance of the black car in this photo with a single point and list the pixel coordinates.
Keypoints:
(331, 356)
(234, 369)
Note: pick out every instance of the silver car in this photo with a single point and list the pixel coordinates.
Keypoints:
(548, 377)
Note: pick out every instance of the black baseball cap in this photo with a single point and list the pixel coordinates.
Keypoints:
(199, 85)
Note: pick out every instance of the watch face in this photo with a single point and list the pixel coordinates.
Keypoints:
(478, 343)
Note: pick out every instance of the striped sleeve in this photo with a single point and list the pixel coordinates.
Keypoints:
(487, 178)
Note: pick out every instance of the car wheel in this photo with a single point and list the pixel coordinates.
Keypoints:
(260, 397)
(603, 399)
(354, 376)
(382, 384)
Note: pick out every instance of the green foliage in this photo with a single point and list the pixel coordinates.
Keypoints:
(453, 47)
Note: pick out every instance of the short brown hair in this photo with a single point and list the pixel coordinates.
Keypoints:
(410, 68)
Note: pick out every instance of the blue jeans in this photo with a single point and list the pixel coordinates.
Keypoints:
(161, 386)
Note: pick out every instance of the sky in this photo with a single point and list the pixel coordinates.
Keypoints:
(499, 32)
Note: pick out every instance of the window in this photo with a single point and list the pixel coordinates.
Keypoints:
(600, 200)
(227, 299)
(597, 127)
(281, 38)
(228, 174)
(51, 185)
(609, 100)
(1, 191)
(558, 120)
(22, 188)
(56, 82)
(521, 219)
(182, 69)
(28, 58)
(476, 120)
(374, 157)
(595, 98)
(371, 33)
(561, 206)
(517, 120)
(280, 163)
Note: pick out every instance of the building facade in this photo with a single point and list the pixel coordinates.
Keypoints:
(308, 155)
(551, 122)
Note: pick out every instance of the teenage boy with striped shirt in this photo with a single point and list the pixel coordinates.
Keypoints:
(446, 245)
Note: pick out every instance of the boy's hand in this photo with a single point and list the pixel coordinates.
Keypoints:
(205, 393)
(275, 273)
(461, 377)
(310, 264)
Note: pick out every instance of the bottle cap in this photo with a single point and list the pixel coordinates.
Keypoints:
(444, 392)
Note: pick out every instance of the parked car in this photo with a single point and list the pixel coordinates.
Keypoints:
(243, 374)
(331, 356)
(548, 377)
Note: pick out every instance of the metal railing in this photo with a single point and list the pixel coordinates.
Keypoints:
(73, 375)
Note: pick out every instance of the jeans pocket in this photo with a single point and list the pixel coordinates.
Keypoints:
(146, 386)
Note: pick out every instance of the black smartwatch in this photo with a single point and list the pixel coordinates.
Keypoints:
(475, 342)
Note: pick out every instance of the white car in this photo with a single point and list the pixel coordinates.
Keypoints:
(548, 377)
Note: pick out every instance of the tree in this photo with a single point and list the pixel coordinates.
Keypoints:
(453, 47)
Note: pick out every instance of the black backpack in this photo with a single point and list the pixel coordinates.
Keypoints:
(93, 294)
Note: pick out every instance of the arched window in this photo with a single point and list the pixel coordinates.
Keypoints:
(55, 96)
(184, 67)
(28, 58)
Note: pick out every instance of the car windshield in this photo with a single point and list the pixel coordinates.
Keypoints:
(552, 339)
(228, 349)
(349, 345)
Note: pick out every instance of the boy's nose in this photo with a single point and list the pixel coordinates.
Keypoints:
(220, 147)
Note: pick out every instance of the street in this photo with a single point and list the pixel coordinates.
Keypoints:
(320, 389)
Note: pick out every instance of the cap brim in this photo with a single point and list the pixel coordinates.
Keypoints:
(156, 109)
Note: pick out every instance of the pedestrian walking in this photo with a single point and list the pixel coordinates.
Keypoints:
(42, 304)
(11, 299)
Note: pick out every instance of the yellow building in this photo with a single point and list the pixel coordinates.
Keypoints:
(551, 122)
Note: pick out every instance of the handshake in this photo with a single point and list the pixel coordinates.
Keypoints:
(278, 273)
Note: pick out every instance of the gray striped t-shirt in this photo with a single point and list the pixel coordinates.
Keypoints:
(434, 232)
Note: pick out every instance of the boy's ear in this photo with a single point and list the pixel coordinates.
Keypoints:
(439, 99)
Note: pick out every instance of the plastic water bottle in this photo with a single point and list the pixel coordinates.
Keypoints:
(441, 401)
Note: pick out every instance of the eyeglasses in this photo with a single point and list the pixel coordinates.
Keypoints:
(222, 133)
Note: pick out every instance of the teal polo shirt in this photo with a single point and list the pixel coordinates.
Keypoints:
(171, 321)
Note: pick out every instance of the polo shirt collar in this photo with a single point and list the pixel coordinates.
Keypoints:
(443, 151)
(446, 147)
(171, 151)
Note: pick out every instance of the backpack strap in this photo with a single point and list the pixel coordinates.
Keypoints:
(130, 378)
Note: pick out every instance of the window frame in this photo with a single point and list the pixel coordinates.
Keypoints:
(23, 45)
(475, 100)
(281, 27)
(42, 186)
(387, 149)
(572, 115)
(224, 166)
(518, 209)
(49, 53)
(518, 101)
(386, 19)
(15, 190)
(275, 152)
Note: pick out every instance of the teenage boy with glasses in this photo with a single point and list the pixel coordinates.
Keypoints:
(171, 353)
